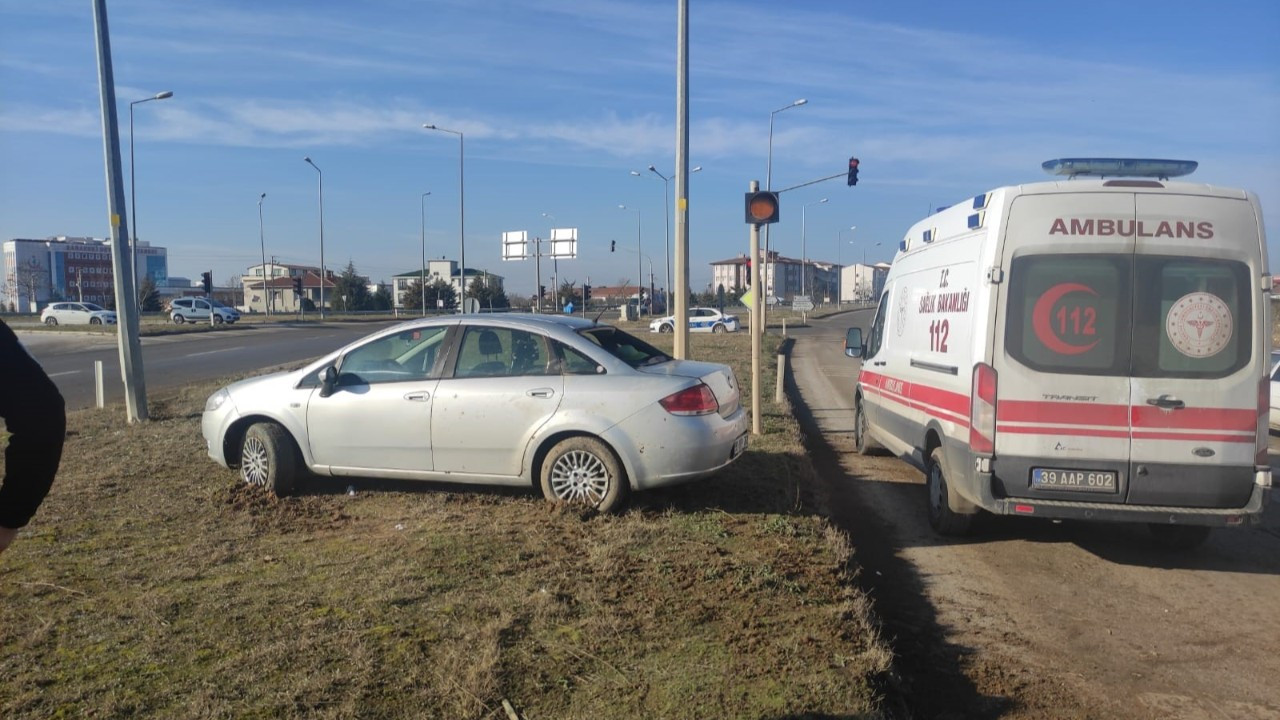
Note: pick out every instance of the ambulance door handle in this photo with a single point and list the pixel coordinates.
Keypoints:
(1166, 402)
(877, 362)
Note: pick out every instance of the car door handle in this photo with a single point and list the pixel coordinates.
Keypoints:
(421, 396)
(1166, 402)
(541, 392)
(877, 362)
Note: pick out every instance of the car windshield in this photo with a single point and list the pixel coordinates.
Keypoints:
(624, 346)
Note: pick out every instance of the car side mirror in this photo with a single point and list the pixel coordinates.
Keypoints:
(853, 342)
(328, 379)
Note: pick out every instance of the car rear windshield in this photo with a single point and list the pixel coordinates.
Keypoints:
(624, 346)
(1144, 316)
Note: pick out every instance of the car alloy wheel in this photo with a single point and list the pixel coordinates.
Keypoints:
(51, 321)
(666, 329)
(217, 319)
(268, 458)
(95, 321)
(178, 320)
(718, 328)
(584, 471)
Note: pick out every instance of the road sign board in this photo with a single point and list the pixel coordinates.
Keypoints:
(515, 245)
(564, 243)
(802, 303)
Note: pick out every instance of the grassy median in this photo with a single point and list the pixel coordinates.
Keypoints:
(154, 584)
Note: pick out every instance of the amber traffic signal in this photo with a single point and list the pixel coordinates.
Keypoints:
(762, 207)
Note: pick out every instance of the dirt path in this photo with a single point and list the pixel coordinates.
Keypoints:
(1034, 619)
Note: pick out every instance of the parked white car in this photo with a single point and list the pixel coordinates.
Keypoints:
(77, 313)
(1275, 391)
(190, 309)
(584, 411)
(700, 320)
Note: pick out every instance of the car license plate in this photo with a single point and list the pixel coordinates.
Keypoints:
(739, 446)
(1101, 481)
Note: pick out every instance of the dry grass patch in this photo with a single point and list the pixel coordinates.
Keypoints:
(153, 584)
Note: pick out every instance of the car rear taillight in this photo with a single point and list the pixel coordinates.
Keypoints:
(697, 400)
(1260, 455)
(982, 410)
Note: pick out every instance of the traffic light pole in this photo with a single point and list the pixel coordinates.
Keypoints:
(757, 322)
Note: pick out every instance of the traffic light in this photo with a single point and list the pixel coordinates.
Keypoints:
(542, 291)
(853, 171)
(762, 207)
(206, 281)
(297, 285)
(613, 245)
(586, 294)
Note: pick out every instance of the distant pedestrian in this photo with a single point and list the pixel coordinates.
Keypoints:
(36, 418)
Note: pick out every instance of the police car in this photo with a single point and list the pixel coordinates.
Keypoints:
(700, 320)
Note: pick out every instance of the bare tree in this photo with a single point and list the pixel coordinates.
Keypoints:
(31, 277)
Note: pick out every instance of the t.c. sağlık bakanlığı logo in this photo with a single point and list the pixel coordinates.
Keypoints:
(1199, 325)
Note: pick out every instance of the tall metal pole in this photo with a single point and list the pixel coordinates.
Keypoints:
(131, 372)
(681, 287)
(768, 181)
(266, 289)
(804, 248)
(757, 322)
(422, 276)
(323, 273)
(462, 216)
(133, 203)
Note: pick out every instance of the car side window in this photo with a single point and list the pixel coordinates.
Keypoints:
(572, 362)
(402, 356)
(501, 352)
(877, 327)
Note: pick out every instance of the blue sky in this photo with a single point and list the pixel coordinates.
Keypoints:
(561, 99)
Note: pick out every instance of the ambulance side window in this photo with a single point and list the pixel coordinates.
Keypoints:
(877, 327)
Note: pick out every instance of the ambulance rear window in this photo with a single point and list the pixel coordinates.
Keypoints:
(1149, 316)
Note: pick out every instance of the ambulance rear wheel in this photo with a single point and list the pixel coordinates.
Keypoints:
(942, 518)
(863, 441)
(1179, 537)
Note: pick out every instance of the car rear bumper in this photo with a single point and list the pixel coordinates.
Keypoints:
(678, 449)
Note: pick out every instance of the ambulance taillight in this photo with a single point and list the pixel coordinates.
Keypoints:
(1260, 456)
(982, 410)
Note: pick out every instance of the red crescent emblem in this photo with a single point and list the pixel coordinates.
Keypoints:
(1042, 320)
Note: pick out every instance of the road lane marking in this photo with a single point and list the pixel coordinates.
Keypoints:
(210, 352)
(68, 372)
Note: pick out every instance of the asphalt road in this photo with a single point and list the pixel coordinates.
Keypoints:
(1031, 618)
(174, 360)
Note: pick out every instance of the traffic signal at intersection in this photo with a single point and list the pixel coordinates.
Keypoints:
(586, 294)
(853, 171)
(762, 207)
(206, 281)
(297, 285)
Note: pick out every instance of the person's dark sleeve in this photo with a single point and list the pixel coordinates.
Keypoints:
(36, 418)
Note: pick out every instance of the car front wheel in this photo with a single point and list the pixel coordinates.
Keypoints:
(51, 321)
(584, 471)
(95, 321)
(664, 328)
(217, 319)
(269, 458)
(718, 328)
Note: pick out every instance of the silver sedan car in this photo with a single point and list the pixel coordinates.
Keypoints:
(581, 410)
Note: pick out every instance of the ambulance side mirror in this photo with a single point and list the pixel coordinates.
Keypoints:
(853, 342)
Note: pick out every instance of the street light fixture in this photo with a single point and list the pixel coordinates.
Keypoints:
(666, 201)
(639, 267)
(422, 278)
(133, 205)
(462, 216)
(840, 261)
(266, 289)
(320, 176)
(804, 248)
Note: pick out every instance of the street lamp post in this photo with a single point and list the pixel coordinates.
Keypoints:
(804, 248)
(133, 204)
(462, 216)
(266, 289)
(639, 267)
(555, 266)
(768, 185)
(666, 201)
(422, 277)
(320, 176)
(840, 261)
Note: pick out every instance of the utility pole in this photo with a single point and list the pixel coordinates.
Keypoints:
(135, 390)
(681, 287)
(757, 321)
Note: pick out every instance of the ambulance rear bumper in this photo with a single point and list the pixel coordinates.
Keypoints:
(1250, 514)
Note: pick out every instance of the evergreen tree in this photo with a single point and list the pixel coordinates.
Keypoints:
(411, 298)
(382, 299)
(488, 296)
(148, 295)
(351, 290)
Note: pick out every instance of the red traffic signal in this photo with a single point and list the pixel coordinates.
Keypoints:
(853, 171)
(762, 207)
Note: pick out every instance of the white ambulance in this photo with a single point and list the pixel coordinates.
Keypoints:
(1093, 348)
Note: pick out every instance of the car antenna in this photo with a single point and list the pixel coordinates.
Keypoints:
(596, 320)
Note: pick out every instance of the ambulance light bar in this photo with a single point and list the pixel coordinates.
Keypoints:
(1120, 167)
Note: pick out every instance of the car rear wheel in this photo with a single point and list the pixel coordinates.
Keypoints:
(51, 321)
(269, 458)
(718, 328)
(1179, 537)
(179, 320)
(584, 471)
(942, 518)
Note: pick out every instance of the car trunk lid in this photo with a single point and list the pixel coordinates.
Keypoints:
(719, 378)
